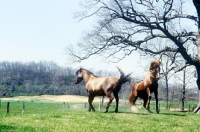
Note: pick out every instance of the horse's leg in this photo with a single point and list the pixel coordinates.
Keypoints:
(156, 97)
(132, 99)
(90, 100)
(110, 100)
(145, 102)
(148, 100)
(117, 101)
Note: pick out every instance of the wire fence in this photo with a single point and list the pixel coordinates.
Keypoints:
(35, 106)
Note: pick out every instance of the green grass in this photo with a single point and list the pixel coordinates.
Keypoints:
(50, 117)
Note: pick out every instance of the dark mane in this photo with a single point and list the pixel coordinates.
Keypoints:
(88, 72)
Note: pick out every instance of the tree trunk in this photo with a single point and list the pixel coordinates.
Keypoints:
(198, 66)
(197, 109)
(197, 6)
(183, 92)
(167, 94)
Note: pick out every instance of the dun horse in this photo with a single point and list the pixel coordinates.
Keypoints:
(101, 86)
(144, 88)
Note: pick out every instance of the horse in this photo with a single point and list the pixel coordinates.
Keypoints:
(143, 89)
(101, 86)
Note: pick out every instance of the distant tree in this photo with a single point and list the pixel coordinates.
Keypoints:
(166, 69)
(186, 80)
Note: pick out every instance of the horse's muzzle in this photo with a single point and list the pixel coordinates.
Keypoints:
(78, 80)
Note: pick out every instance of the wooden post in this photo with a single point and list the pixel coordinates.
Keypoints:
(189, 108)
(7, 107)
(100, 104)
(23, 107)
(63, 106)
(67, 105)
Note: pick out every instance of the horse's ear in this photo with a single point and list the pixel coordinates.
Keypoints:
(78, 71)
(159, 62)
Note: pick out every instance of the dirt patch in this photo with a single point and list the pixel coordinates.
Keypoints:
(54, 98)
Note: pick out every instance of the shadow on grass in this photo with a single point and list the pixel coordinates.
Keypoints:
(127, 112)
(6, 128)
(174, 114)
(177, 113)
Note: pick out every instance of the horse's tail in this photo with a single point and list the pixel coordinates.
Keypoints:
(123, 79)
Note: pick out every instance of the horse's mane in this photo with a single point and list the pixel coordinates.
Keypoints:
(154, 64)
(88, 72)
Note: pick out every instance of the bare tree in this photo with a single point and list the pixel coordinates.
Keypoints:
(165, 69)
(186, 80)
(128, 25)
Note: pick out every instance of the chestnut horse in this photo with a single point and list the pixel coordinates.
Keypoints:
(144, 88)
(101, 86)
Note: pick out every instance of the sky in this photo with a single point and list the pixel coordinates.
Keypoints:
(39, 30)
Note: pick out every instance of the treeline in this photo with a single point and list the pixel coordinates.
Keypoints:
(17, 78)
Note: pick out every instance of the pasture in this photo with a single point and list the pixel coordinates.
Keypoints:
(48, 114)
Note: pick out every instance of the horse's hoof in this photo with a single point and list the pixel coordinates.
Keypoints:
(116, 111)
(106, 111)
(150, 111)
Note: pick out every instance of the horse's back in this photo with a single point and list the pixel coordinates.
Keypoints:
(99, 84)
(140, 89)
(140, 86)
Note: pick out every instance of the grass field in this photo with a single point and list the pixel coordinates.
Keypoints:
(52, 117)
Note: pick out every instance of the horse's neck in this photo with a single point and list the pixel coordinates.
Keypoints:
(150, 77)
(87, 77)
(151, 74)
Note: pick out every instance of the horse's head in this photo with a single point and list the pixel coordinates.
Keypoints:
(79, 75)
(155, 69)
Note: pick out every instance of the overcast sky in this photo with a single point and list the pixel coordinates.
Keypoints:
(39, 30)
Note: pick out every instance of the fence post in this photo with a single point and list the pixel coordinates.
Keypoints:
(63, 106)
(7, 107)
(189, 108)
(23, 107)
(100, 104)
(67, 105)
